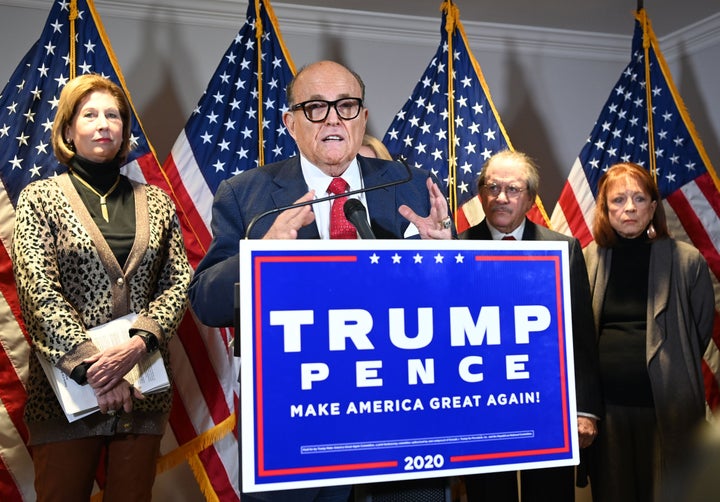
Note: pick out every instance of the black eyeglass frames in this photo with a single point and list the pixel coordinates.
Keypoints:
(317, 110)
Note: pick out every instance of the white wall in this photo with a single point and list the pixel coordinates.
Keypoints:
(548, 85)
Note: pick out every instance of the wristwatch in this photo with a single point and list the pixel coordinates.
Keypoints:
(151, 341)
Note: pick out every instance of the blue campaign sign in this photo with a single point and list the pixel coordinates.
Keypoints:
(366, 361)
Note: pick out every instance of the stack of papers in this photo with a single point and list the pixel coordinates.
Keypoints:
(78, 401)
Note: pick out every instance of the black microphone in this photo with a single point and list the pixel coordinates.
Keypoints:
(356, 214)
(262, 215)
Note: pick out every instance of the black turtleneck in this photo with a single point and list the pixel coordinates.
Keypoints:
(119, 232)
(623, 325)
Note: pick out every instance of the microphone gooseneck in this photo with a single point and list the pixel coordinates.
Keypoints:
(260, 216)
(356, 214)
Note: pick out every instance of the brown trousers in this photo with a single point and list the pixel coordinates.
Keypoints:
(65, 470)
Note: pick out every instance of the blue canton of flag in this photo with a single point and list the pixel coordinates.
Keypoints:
(427, 123)
(223, 129)
(29, 100)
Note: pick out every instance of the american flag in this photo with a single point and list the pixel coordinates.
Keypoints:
(687, 181)
(236, 125)
(449, 123)
(27, 108)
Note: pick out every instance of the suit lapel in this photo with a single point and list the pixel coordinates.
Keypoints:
(530, 233)
(289, 187)
(658, 291)
(380, 202)
(479, 232)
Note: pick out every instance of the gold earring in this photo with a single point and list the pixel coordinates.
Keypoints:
(651, 233)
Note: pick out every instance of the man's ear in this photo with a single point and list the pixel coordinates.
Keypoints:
(289, 121)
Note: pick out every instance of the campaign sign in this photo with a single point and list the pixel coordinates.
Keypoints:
(366, 361)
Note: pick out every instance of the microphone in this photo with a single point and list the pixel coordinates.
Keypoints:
(262, 215)
(357, 215)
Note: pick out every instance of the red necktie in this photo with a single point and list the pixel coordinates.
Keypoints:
(508, 238)
(340, 227)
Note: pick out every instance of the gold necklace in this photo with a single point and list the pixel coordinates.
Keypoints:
(103, 198)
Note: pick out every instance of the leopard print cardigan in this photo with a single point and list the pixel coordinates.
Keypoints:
(68, 281)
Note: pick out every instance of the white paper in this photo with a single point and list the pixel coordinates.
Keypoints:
(78, 401)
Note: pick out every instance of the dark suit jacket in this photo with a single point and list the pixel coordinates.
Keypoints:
(239, 199)
(587, 381)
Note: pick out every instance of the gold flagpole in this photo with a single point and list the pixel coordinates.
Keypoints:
(258, 39)
(72, 17)
(450, 24)
(648, 92)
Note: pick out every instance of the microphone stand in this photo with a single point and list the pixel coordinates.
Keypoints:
(258, 217)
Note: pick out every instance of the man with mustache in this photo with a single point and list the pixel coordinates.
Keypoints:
(507, 186)
(327, 120)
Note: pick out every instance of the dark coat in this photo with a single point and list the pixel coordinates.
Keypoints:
(241, 198)
(680, 312)
(587, 381)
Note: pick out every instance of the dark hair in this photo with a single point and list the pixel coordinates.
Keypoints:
(604, 234)
(290, 87)
(71, 96)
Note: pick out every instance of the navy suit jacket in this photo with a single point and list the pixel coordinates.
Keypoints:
(239, 199)
(585, 354)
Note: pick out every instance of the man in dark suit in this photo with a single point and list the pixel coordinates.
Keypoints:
(507, 186)
(327, 119)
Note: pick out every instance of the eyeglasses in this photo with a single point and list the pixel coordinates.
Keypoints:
(511, 191)
(317, 110)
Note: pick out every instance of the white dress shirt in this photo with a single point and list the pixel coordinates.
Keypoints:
(319, 181)
(498, 235)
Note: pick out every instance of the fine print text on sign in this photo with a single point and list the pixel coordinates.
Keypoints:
(376, 360)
